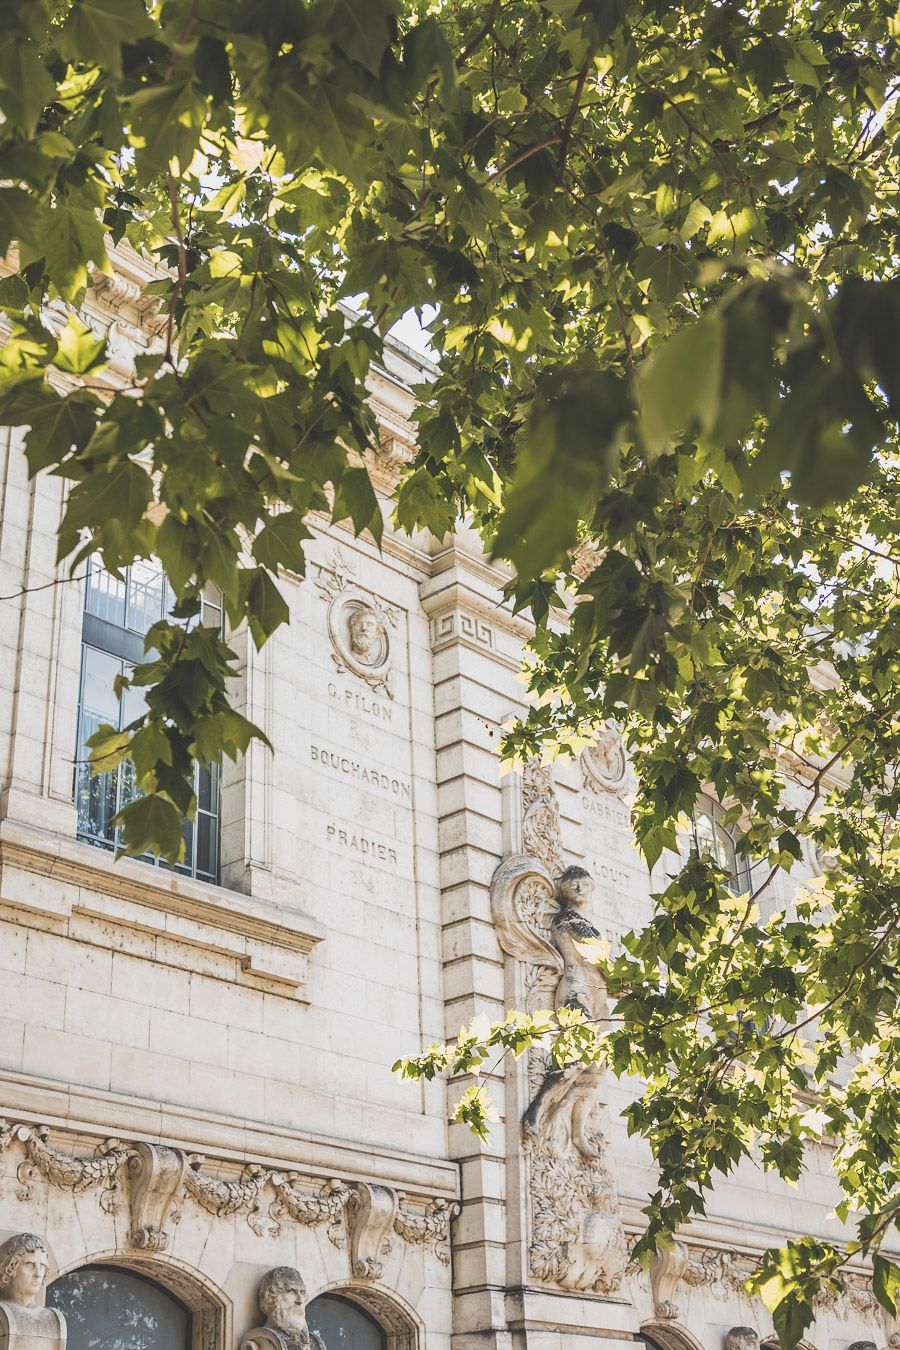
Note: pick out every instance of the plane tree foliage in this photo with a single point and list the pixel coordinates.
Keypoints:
(655, 247)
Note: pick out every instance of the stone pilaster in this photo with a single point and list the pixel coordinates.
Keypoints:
(476, 647)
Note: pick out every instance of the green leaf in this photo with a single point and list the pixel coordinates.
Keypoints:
(152, 824)
(166, 125)
(78, 350)
(680, 386)
(885, 1282)
(25, 84)
(568, 449)
(119, 495)
(74, 238)
(266, 609)
(420, 502)
(95, 30)
(280, 543)
(355, 497)
(362, 29)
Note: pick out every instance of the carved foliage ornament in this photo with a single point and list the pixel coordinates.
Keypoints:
(160, 1179)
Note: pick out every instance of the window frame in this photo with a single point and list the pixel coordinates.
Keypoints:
(140, 1277)
(118, 642)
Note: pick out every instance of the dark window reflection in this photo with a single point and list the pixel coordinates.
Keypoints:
(342, 1325)
(108, 1309)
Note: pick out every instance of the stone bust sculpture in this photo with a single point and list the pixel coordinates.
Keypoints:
(25, 1324)
(741, 1338)
(282, 1301)
(567, 1096)
(366, 634)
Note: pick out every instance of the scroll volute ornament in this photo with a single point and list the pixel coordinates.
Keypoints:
(24, 1323)
(282, 1302)
(157, 1181)
(371, 1211)
(667, 1269)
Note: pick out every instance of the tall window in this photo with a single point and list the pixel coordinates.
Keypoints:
(712, 838)
(117, 615)
(343, 1325)
(117, 1310)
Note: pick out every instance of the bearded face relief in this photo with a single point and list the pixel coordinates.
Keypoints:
(358, 628)
(367, 637)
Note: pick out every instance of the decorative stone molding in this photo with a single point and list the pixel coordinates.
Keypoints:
(311, 1208)
(157, 1181)
(724, 1273)
(161, 1179)
(540, 816)
(24, 1324)
(576, 1239)
(459, 625)
(371, 1211)
(62, 1170)
(375, 1211)
(222, 1197)
(431, 1228)
(282, 1302)
(358, 626)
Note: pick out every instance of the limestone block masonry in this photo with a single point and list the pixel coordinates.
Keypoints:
(196, 1103)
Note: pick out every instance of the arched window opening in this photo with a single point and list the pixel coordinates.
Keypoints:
(712, 838)
(344, 1325)
(114, 1309)
(117, 616)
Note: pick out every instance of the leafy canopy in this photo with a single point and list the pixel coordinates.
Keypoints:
(658, 246)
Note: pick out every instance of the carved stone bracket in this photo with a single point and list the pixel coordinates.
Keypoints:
(157, 1181)
(431, 1227)
(370, 1211)
(666, 1271)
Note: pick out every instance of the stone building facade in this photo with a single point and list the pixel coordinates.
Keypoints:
(198, 1123)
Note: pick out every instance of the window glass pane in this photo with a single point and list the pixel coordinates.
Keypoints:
(108, 1309)
(104, 596)
(342, 1325)
(97, 695)
(146, 595)
(206, 844)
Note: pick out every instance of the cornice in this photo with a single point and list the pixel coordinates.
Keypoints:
(82, 1113)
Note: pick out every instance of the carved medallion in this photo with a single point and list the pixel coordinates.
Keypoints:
(603, 764)
(358, 626)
